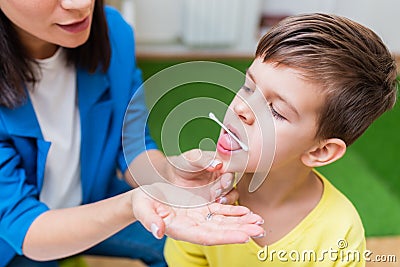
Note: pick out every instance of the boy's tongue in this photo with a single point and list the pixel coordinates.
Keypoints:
(228, 143)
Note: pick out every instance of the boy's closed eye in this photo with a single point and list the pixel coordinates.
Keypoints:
(274, 113)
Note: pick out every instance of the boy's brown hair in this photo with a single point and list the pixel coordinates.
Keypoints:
(349, 61)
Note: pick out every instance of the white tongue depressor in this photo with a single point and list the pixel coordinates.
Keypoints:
(242, 145)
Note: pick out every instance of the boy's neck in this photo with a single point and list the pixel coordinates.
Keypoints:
(281, 187)
(283, 200)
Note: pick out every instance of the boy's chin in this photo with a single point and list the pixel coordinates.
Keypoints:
(240, 165)
(235, 163)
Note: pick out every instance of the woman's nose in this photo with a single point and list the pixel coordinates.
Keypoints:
(76, 4)
(244, 111)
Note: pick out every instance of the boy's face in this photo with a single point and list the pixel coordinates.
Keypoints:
(294, 104)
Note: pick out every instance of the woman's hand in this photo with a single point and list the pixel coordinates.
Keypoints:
(196, 170)
(227, 224)
(199, 168)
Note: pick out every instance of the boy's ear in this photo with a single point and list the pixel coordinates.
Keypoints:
(327, 151)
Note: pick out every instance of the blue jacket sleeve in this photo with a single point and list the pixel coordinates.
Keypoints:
(136, 136)
(19, 205)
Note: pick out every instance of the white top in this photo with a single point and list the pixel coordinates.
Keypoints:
(55, 102)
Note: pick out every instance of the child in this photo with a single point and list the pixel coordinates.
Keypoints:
(326, 79)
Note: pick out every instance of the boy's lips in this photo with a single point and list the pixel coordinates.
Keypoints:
(226, 144)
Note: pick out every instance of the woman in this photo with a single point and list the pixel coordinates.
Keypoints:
(67, 74)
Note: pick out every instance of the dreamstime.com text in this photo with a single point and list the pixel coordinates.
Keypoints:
(339, 253)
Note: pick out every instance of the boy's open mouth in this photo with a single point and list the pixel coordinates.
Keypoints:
(229, 140)
(226, 144)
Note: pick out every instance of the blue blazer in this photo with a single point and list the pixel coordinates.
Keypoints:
(102, 98)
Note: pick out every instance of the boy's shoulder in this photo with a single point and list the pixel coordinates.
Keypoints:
(334, 198)
(336, 210)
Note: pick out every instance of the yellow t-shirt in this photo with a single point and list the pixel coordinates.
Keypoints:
(330, 235)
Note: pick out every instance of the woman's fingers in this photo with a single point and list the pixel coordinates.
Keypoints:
(149, 212)
(249, 218)
(195, 160)
(228, 210)
(221, 187)
(208, 238)
(230, 198)
(216, 233)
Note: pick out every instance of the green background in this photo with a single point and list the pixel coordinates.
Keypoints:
(369, 173)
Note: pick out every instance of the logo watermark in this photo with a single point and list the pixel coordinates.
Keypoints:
(340, 252)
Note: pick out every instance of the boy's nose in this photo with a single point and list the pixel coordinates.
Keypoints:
(76, 4)
(243, 110)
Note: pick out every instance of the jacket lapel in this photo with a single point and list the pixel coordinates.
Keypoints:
(95, 108)
(95, 114)
(22, 121)
(23, 125)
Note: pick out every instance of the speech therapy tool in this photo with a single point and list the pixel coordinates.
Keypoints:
(241, 144)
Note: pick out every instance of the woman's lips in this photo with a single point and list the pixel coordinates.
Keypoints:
(76, 27)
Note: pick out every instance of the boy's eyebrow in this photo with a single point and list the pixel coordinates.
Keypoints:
(248, 73)
(251, 76)
(287, 103)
